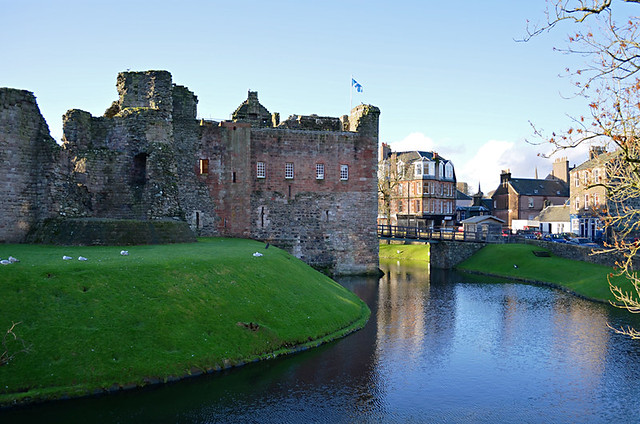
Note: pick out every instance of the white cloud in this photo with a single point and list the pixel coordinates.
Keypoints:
(414, 141)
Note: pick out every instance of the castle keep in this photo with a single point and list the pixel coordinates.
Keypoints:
(306, 184)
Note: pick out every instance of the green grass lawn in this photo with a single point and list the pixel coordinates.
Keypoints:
(586, 279)
(164, 310)
(418, 252)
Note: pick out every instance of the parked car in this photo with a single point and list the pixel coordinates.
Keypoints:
(529, 233)
(582, 241)
(556, 238)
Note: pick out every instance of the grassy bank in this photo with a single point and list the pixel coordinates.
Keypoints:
(417, 252)
(586, 279)
(161, 312)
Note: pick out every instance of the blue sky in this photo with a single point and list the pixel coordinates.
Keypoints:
(447, 76)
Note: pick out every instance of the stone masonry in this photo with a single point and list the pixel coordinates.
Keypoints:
(149, 158)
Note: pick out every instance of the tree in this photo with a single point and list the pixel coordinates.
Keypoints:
(610, 84)
(389, 177)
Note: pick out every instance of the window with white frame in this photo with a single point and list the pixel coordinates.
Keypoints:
(531, 202)
(441, 171)
(288, 170)
(319, 171)
(261, 170)
(586, 200)
(596, 200)
(596, 176)
(577, 203)
(418, 169)
(586, 178)
(432, 168)
(448, 170)
(344, 172)
(576, 180)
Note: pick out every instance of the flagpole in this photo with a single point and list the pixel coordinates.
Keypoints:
(351, 94)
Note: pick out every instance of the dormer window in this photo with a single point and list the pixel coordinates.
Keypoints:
(419, 169)
(424, 167)
(448, 170)
(400, 168)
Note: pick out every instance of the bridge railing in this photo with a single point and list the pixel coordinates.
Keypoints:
(439, 234)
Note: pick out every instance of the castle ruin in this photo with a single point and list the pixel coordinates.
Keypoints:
(306, 184)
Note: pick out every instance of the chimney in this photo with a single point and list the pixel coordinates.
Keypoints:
(505, 177)
(384, 152)
(595, 151)
(560, 169)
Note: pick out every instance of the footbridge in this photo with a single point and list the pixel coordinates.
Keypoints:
(447, 247)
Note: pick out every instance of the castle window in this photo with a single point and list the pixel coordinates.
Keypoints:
(204, 166)
(319, 171)
(261, 171)
(344, 172)
(139, 173)
(288, 170)
(233, 176)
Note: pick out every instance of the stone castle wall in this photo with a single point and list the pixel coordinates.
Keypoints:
(28, 165)
(148, 158)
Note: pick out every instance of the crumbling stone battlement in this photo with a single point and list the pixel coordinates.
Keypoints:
(314, 123)
(307, 184)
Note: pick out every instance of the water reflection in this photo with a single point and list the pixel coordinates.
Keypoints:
(439, 347)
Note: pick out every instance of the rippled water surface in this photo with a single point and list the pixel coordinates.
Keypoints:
(439, 347)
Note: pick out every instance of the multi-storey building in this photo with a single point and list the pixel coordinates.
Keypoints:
(418, 189)
(588, 194)
(524, 198)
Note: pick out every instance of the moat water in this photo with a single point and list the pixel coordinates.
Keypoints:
(439, 347)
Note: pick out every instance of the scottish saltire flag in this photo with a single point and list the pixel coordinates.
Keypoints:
(357, 85)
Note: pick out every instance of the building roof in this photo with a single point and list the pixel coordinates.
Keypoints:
(536, 187)
(462, 196)
(599, 160)
(481, 219)
(413, 155)
(554, 213)
(409, 157)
